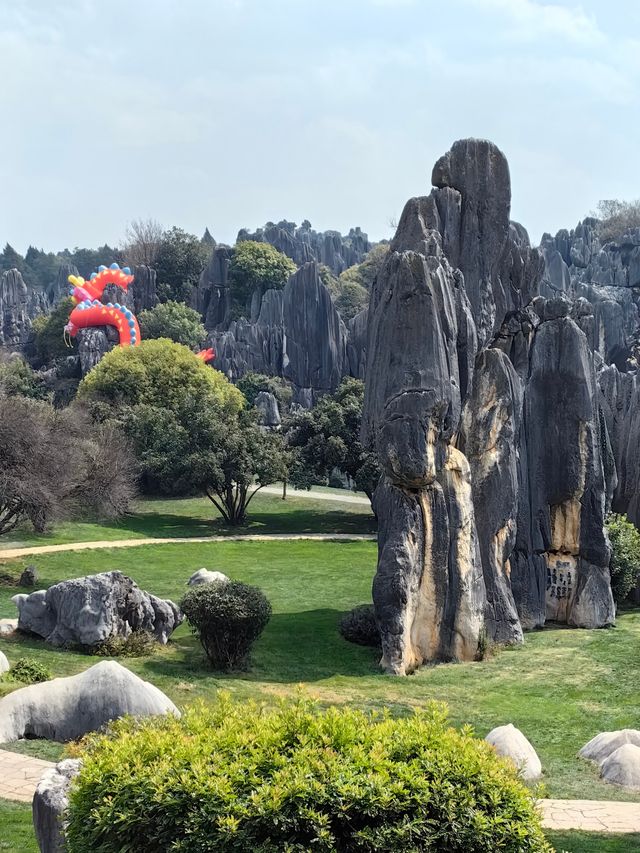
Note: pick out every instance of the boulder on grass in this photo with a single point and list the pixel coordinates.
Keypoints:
(89, 610)
(622, 767)
(28, 577)
(66, 708)
(509, 742)
(206, 576)
(4, 663)
(603, 745)
(49, 804)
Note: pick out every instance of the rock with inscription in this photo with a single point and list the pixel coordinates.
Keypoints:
(509, 742)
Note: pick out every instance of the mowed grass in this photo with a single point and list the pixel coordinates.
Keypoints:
(197, 517)
(561, 688)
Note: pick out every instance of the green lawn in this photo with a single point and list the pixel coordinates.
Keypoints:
(198, 517)
(593, 842)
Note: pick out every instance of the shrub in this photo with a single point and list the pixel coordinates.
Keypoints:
(625, 555)
(359, 626)
(28, 671)
(175, 321)
(138, 644)
(239, 776)
(227, 617)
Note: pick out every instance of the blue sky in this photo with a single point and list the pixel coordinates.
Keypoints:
(229, 113)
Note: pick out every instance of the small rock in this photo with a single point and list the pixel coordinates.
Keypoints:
(8, 626)
(4, 663)
(603, 745)
(29, 577)
(509, 742)
(49, 803)
(206, 576)
(622, 767)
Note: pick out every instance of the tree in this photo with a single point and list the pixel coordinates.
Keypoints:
(180, 259)
(348, 296)
(328, 436)
(48, 337)
(625, 555)
(143, 238)
(56, 465)
(87, 261)
(18, 379)
(617, 217)
(251, 384)
(256, 266)
(173, 320)
(10, 259)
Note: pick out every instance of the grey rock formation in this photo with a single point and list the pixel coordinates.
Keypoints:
(267, 406)
(28, 577)
(143, 289)
(509, 742)
(66, 708)
(297, 334)
(483, 405)
(206, 576)
(302, 244)
(605, 744)
(19, 305)
(50, 803)
(93, 344)
(59, 287)
(89, 610)
(212, 297)
(4, 663)
(622, 767)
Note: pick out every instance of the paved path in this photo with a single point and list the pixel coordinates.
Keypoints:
(347, 498)
(19, 775)
(10, 553)
(591, 815)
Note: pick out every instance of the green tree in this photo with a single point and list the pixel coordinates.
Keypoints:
(88, 260)
(180, 259)
(10, 259)
(617, 217)
(251, 384)
(625, 555)
(48, 338)
(18, 379)
(328, 436)
(173, 320)
(256, 266)
(42, 267)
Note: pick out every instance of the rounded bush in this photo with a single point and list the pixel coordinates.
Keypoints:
(236, 777)
(28, 671)
(227, 617)
(360, 626)
(625, 555)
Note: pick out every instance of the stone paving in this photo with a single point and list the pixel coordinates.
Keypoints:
(19, 775)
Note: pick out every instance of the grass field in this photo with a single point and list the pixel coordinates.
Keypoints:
(561, 687)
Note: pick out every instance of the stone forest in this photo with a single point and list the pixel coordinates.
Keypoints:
(478, 394)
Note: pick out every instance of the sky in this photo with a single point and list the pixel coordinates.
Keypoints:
(230, 113)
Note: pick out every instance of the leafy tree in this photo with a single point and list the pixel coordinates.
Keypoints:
(180, 259)
(56, 465)
(18, 379)
(256, 266)
(348, 296)
(251, 384)
(328, 436)
(187, 424)
(88, 260)
(48, 337)
(41, 267)
(10, 259)
(625, 555)
(173, 320)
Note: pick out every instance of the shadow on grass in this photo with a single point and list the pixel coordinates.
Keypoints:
(295, 647)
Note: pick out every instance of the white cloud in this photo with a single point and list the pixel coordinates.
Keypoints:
(530, 19)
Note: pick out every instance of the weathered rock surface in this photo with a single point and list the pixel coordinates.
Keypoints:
(4, 663)
(267, 406)
(483, 404)
(19, 305)
(87, 611)
(606, 743)
(50, 802)
(509, 742)
(28, 577)
(206, 576)
(143, 289)
(66, 708)
(622, 767)
(302, 244)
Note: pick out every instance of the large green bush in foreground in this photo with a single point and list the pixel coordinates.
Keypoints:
(243, 778)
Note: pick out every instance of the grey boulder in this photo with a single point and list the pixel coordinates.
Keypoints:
(509, 742)
(622, 767)
(605, 744)
(206, 576)
(89, 610)
(4, 663)
(50, 802)
(67, 708)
